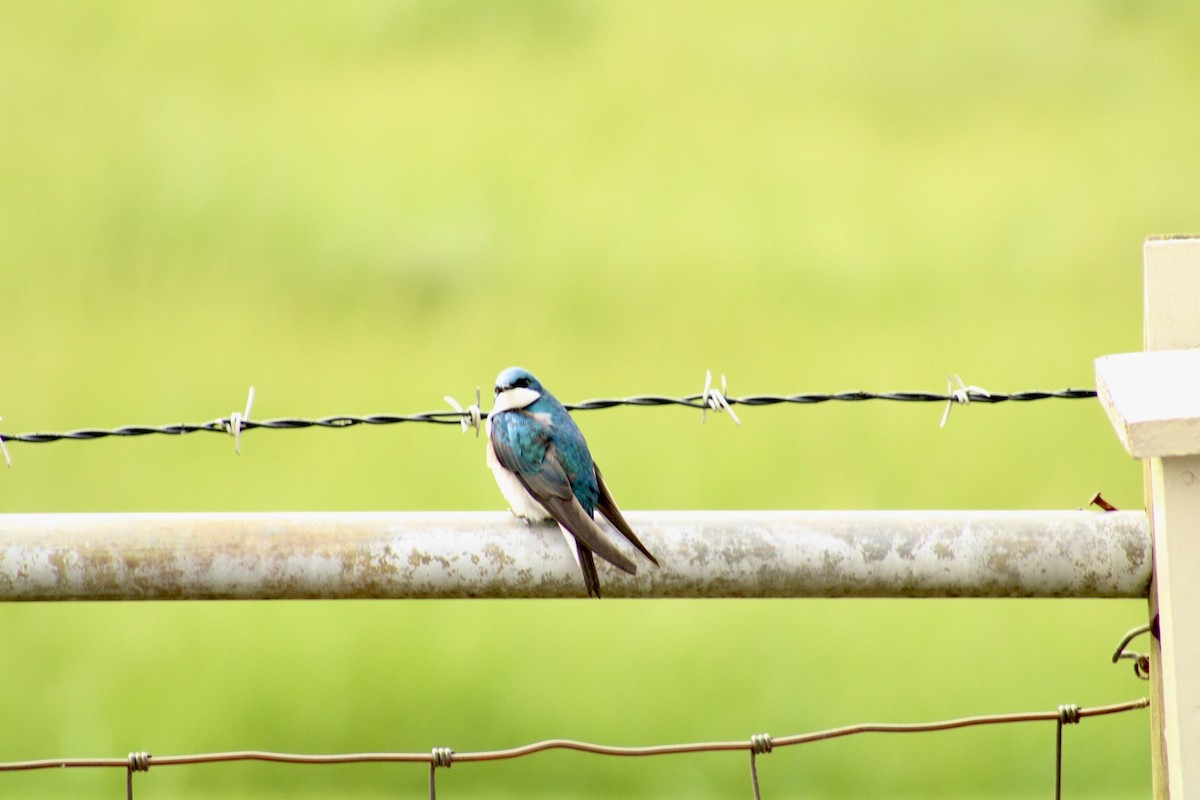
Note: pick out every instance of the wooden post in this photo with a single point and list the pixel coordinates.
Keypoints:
(1153, 400)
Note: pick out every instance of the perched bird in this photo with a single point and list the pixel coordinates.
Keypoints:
(545, 471)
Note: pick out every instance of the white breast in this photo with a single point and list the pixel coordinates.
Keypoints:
(519, 500)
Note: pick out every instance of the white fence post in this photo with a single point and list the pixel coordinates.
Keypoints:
(1153, 400)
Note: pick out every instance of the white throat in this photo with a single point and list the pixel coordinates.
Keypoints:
(517, 397)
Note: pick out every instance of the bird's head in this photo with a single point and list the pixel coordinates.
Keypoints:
(516, 388)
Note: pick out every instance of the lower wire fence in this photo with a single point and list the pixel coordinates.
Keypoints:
(444, 757)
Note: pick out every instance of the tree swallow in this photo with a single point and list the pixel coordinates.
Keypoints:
(545, 471)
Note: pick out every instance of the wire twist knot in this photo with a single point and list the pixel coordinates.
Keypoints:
(139, 762)
(442, 757)
(762, 743)
(1068, 714)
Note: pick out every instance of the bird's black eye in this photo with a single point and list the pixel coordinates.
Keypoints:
(521, 383)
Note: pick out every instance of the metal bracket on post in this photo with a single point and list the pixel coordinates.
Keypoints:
(1153, 401)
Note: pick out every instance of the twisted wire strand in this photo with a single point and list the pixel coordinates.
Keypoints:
(697, 400)
(694, 401)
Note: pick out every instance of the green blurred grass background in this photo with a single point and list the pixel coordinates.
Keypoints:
(364, 206)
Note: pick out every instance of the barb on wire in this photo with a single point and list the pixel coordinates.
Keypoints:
(715, 399)
(4, 450)
(962, 395)
(472, 416)
(237, 420)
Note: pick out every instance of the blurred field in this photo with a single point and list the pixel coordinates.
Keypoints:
(365, 206)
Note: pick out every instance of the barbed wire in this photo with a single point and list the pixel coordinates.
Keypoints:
(710, 399)
(444, 757)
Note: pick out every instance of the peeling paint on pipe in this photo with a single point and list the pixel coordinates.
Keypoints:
(486, 554)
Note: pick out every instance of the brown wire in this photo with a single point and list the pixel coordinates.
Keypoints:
(570, 744)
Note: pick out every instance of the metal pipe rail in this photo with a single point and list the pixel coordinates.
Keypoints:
(275, 556)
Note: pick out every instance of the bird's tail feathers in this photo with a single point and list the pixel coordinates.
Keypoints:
(608, 507)
(587, 565)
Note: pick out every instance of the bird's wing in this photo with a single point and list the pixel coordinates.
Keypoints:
(548, 484)
(608, 507)
(570, 514)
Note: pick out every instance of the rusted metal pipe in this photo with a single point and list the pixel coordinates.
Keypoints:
(490, 554)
